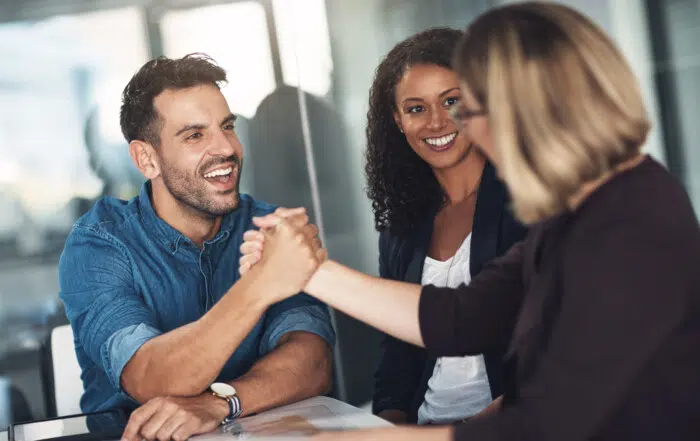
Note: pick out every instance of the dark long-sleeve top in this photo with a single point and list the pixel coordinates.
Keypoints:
(601, 309)
(402, 376)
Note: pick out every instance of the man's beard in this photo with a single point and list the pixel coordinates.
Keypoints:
(194, 192)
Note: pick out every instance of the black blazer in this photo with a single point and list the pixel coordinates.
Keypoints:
(401, 379)
(601, 312)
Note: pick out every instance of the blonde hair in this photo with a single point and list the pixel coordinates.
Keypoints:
(563, 104)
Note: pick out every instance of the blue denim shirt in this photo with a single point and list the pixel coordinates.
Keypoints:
(126, 276)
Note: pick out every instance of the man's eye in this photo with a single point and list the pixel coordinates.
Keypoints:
(194, 136)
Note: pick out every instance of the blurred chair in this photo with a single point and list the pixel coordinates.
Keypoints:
(61, 373)
(13, 405)
(20, 407)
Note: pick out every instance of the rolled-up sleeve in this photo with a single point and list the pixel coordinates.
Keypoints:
(121, 346)
(109, 318)
(298, 313)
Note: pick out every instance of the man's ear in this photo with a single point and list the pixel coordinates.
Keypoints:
(145, 158)
(397, 120)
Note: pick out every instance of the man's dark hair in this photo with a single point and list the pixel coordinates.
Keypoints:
(138, 116)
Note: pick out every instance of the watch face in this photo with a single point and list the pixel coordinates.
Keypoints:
(223, 389)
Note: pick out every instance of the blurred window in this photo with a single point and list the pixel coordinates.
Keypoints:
(60, 146)
(675, 31)
(304, 42)
(239, 43)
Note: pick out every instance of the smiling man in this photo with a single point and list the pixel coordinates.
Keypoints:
(151, 285)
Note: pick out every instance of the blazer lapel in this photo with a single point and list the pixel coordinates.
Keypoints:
(487, 220)
(488, 214)
(418, 251)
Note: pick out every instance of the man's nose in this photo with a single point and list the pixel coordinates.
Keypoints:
(225, 145)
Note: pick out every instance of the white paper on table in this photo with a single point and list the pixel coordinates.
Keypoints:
(297, 421)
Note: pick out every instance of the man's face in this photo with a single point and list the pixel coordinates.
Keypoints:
(200, 155)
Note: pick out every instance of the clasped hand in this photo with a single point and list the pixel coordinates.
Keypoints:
(292, 251)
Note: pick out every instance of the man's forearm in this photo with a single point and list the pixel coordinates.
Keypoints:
(185, 361)
(299, 368)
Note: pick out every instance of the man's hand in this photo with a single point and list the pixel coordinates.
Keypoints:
(291, 257)
(254, 240)
(176, 418)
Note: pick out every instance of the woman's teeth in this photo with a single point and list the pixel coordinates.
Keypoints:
(441, 141)
(220, 172)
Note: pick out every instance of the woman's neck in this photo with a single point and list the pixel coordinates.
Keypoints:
(461, 181)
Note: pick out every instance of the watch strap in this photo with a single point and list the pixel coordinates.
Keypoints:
(238, 409)
(234, 408)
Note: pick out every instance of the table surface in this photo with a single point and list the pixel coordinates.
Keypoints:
(296, 421)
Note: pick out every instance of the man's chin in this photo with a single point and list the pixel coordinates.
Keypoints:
(226, 208)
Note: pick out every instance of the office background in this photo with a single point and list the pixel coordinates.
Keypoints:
(299, 75)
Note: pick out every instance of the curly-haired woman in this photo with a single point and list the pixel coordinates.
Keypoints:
(441, 213)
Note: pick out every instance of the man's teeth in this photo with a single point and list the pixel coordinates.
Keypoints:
(443, 140)
(220, 172)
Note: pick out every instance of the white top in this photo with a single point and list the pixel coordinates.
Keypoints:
(459, 387)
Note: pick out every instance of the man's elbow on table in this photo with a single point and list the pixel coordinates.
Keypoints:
(324, 378)
(318, 379)
(140, 382)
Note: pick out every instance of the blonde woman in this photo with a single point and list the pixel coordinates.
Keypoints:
(600, 305)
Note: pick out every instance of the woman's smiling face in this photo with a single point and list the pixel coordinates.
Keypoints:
(424, 96)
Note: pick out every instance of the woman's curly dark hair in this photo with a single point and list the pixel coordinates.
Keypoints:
(400, 184)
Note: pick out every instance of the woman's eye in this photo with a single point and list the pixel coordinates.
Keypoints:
(452, 101)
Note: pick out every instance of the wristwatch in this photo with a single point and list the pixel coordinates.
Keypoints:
(228, 393)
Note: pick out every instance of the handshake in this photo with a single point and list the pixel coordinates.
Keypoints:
(285, 252)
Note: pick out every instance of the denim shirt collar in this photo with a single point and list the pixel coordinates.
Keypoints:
(166, 234)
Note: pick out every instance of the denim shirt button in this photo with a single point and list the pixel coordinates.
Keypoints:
(172, 247)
